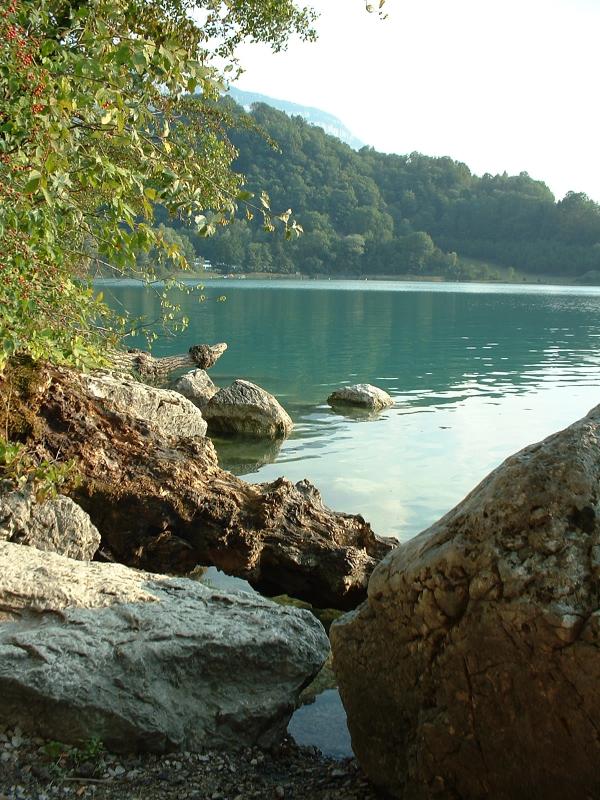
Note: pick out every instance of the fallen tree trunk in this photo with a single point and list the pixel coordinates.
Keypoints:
(166, 505)
(202, 356)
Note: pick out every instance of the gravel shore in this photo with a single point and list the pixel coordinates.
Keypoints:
(34, 769)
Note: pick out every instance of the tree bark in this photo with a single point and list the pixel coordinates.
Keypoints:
(200, 356)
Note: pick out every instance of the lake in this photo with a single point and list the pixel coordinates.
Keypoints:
(477, 371)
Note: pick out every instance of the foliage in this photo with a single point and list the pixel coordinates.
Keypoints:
(107, 109)
(54, 749)
(91, 750)
(19, 467)
(66, 757)
(370, 213)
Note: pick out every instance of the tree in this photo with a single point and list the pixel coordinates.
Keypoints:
(157, 259)
(107, 109)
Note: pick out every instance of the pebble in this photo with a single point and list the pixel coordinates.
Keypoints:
(29, 772)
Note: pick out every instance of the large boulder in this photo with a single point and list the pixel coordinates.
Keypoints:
(144, 662)
(197, 386)
(473, 669)
(56, 524)
(165, 505)
(244, 408)
(166, 411)
(361, 395)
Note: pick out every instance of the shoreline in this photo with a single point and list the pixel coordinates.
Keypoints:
(531, 281)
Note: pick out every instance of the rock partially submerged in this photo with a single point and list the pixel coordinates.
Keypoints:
(244, 408)
(197, 386)
(166, 411)
(473, 669)
(361, 395)
(164, 504)
(144, 662)
(57, 524)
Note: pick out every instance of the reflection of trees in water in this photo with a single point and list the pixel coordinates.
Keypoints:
(307, 341)
(300, 343)
(242, 455)
(356, 413)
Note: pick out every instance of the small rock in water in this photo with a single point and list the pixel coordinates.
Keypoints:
(363, 395)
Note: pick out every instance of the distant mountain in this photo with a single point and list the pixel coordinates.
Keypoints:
(330, 124)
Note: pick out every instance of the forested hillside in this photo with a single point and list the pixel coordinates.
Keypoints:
(376, 214)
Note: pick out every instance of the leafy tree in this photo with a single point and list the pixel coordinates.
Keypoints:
(416, 214)
(108, 109)
(157, 260)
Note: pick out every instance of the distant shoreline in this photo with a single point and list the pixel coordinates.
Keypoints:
(527, 280)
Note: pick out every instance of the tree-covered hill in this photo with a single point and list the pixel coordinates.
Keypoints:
(367, 212)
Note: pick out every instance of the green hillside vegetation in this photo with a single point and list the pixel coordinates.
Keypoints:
(370, 213)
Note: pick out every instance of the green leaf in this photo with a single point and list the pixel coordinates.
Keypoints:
(33, 181)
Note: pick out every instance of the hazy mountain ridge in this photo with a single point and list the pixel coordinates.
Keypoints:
(314, 116)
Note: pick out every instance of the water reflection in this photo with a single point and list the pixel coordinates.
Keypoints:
(476, 372)
(244, 455)
(323, 725)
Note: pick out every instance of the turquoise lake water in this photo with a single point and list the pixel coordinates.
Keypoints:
(477, 371)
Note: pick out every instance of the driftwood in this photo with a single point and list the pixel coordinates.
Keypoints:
(167, 506)
(202, 356)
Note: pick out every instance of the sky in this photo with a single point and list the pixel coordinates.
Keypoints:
(503, 86)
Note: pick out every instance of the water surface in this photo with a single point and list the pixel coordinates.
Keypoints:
(477, 371)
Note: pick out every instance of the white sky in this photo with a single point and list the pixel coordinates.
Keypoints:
(499, 84)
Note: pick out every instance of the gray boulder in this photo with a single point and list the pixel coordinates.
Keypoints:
(363, 395)
(164, 410)
(245, 408)
(56, 525)
(473, 669)
(197, 386)
(146, 662)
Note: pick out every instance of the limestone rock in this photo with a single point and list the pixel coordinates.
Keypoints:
(473, 668)
(245, 408)
(145, 662)
(165, 504)
(197, 386)
(363, 395)
(56, 525)
(164, 410)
